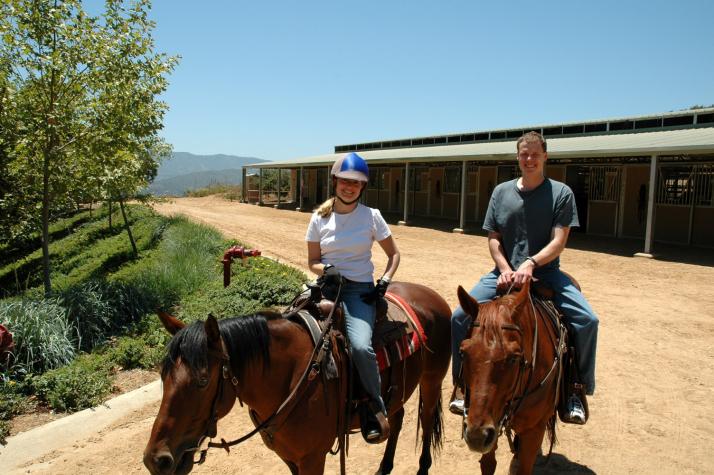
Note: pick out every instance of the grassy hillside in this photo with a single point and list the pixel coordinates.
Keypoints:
(100, 316)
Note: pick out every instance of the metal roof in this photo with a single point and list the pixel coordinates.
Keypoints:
(668, 142)
(644, 123)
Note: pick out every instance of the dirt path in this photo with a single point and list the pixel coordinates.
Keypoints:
(655, 371)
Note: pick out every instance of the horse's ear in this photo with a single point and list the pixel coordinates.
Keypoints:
(524, 293)
(171, 323)
(212, 332)
(467, 302)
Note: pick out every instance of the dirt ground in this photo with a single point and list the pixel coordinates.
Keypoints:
(652, 410)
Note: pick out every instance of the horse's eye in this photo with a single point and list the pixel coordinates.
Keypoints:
(202, 382)
(513, 359)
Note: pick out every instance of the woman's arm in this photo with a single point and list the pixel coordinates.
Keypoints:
(389, 246)
(314, 258)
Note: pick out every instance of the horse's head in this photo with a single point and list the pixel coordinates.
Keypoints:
(494, 354)
(195, 395)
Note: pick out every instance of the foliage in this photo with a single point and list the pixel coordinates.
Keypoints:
(81, 94)
(92, 250)
(107, 307)
(270, 179)
(42, 334)
(134, 352)
(84, 383)
(260, 283)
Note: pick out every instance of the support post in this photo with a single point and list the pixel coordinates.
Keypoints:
(405, 221)
(300, 187)
(649, 226)
(244, 185)
(260, 188)
(462, 213)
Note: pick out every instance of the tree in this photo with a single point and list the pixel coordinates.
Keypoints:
(86, 90)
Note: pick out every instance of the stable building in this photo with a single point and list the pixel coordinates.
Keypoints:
(646, 177)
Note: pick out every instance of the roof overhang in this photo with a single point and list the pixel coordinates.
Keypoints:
(669, 142)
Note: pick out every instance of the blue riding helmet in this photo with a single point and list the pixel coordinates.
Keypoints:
(351, 167)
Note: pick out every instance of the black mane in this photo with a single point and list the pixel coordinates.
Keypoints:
(247, 338)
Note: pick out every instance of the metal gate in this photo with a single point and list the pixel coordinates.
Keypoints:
(684, 201)
(604, 188)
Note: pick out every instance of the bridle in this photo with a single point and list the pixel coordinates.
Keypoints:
(515, 401)
(309, 375)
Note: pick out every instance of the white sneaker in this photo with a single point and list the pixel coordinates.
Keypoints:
(576, 411)
(457, 407)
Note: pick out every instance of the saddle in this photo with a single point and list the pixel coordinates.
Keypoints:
(397, 334)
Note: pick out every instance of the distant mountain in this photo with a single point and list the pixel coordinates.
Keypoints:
(183, 163)
(185, 171)
(179, 185)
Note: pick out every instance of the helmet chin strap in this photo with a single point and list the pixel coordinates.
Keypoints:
(349, 202)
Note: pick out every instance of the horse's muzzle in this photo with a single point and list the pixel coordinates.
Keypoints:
(480, 439)
(162, 462)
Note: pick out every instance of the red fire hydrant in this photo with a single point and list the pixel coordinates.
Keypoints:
(232, 252)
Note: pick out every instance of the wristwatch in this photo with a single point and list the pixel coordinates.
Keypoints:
(529, 258)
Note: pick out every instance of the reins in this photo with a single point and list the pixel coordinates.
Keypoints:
(309, 374)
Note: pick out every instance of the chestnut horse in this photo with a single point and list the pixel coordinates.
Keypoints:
(511, 374)
(260, 359)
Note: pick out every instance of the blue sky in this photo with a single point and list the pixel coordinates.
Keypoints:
(281, 80)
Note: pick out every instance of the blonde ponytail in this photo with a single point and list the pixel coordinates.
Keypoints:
(325, 209)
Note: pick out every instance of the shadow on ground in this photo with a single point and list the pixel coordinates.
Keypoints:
(557, 465)
(625, 247)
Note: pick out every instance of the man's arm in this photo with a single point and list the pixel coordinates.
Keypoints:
(495, 247)
(558, 239)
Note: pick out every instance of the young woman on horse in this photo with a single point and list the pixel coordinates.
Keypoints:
(528, 222)
(339, 242)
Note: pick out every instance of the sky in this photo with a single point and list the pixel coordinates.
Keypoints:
(279, 80)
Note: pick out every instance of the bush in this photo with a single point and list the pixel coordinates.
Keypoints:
(261, 283)
(131, 353)
(42, 334)
(83, 384)
(12, 401)
(90, 313)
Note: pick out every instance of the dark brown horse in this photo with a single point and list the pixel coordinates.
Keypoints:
(259, 360)
(511, 372)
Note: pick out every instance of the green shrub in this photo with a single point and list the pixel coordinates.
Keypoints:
(12, 399)
(4, 432)
(84, 383)
(42, 334)
(128, 353)
(260, 284)
(90, 312)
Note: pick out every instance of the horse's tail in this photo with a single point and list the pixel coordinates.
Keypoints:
(550, 429)
(437, 432)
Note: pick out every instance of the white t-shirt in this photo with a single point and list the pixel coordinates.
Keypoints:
(346, 240)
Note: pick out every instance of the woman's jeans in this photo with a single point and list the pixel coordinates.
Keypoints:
(568, 299)
(359, 320)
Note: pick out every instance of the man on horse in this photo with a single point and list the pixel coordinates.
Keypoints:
(528, 222)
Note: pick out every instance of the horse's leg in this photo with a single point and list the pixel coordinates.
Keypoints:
(488, 461)
(293, 468)
(529, 443)
(313, 464)
(431, 419)
(395, 426)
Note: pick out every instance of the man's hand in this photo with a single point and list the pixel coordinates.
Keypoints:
(524, 273)
(505, 279)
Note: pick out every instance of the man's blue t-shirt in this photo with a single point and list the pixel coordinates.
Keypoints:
(525, 219)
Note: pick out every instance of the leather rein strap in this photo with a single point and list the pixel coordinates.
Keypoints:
(309, 375)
